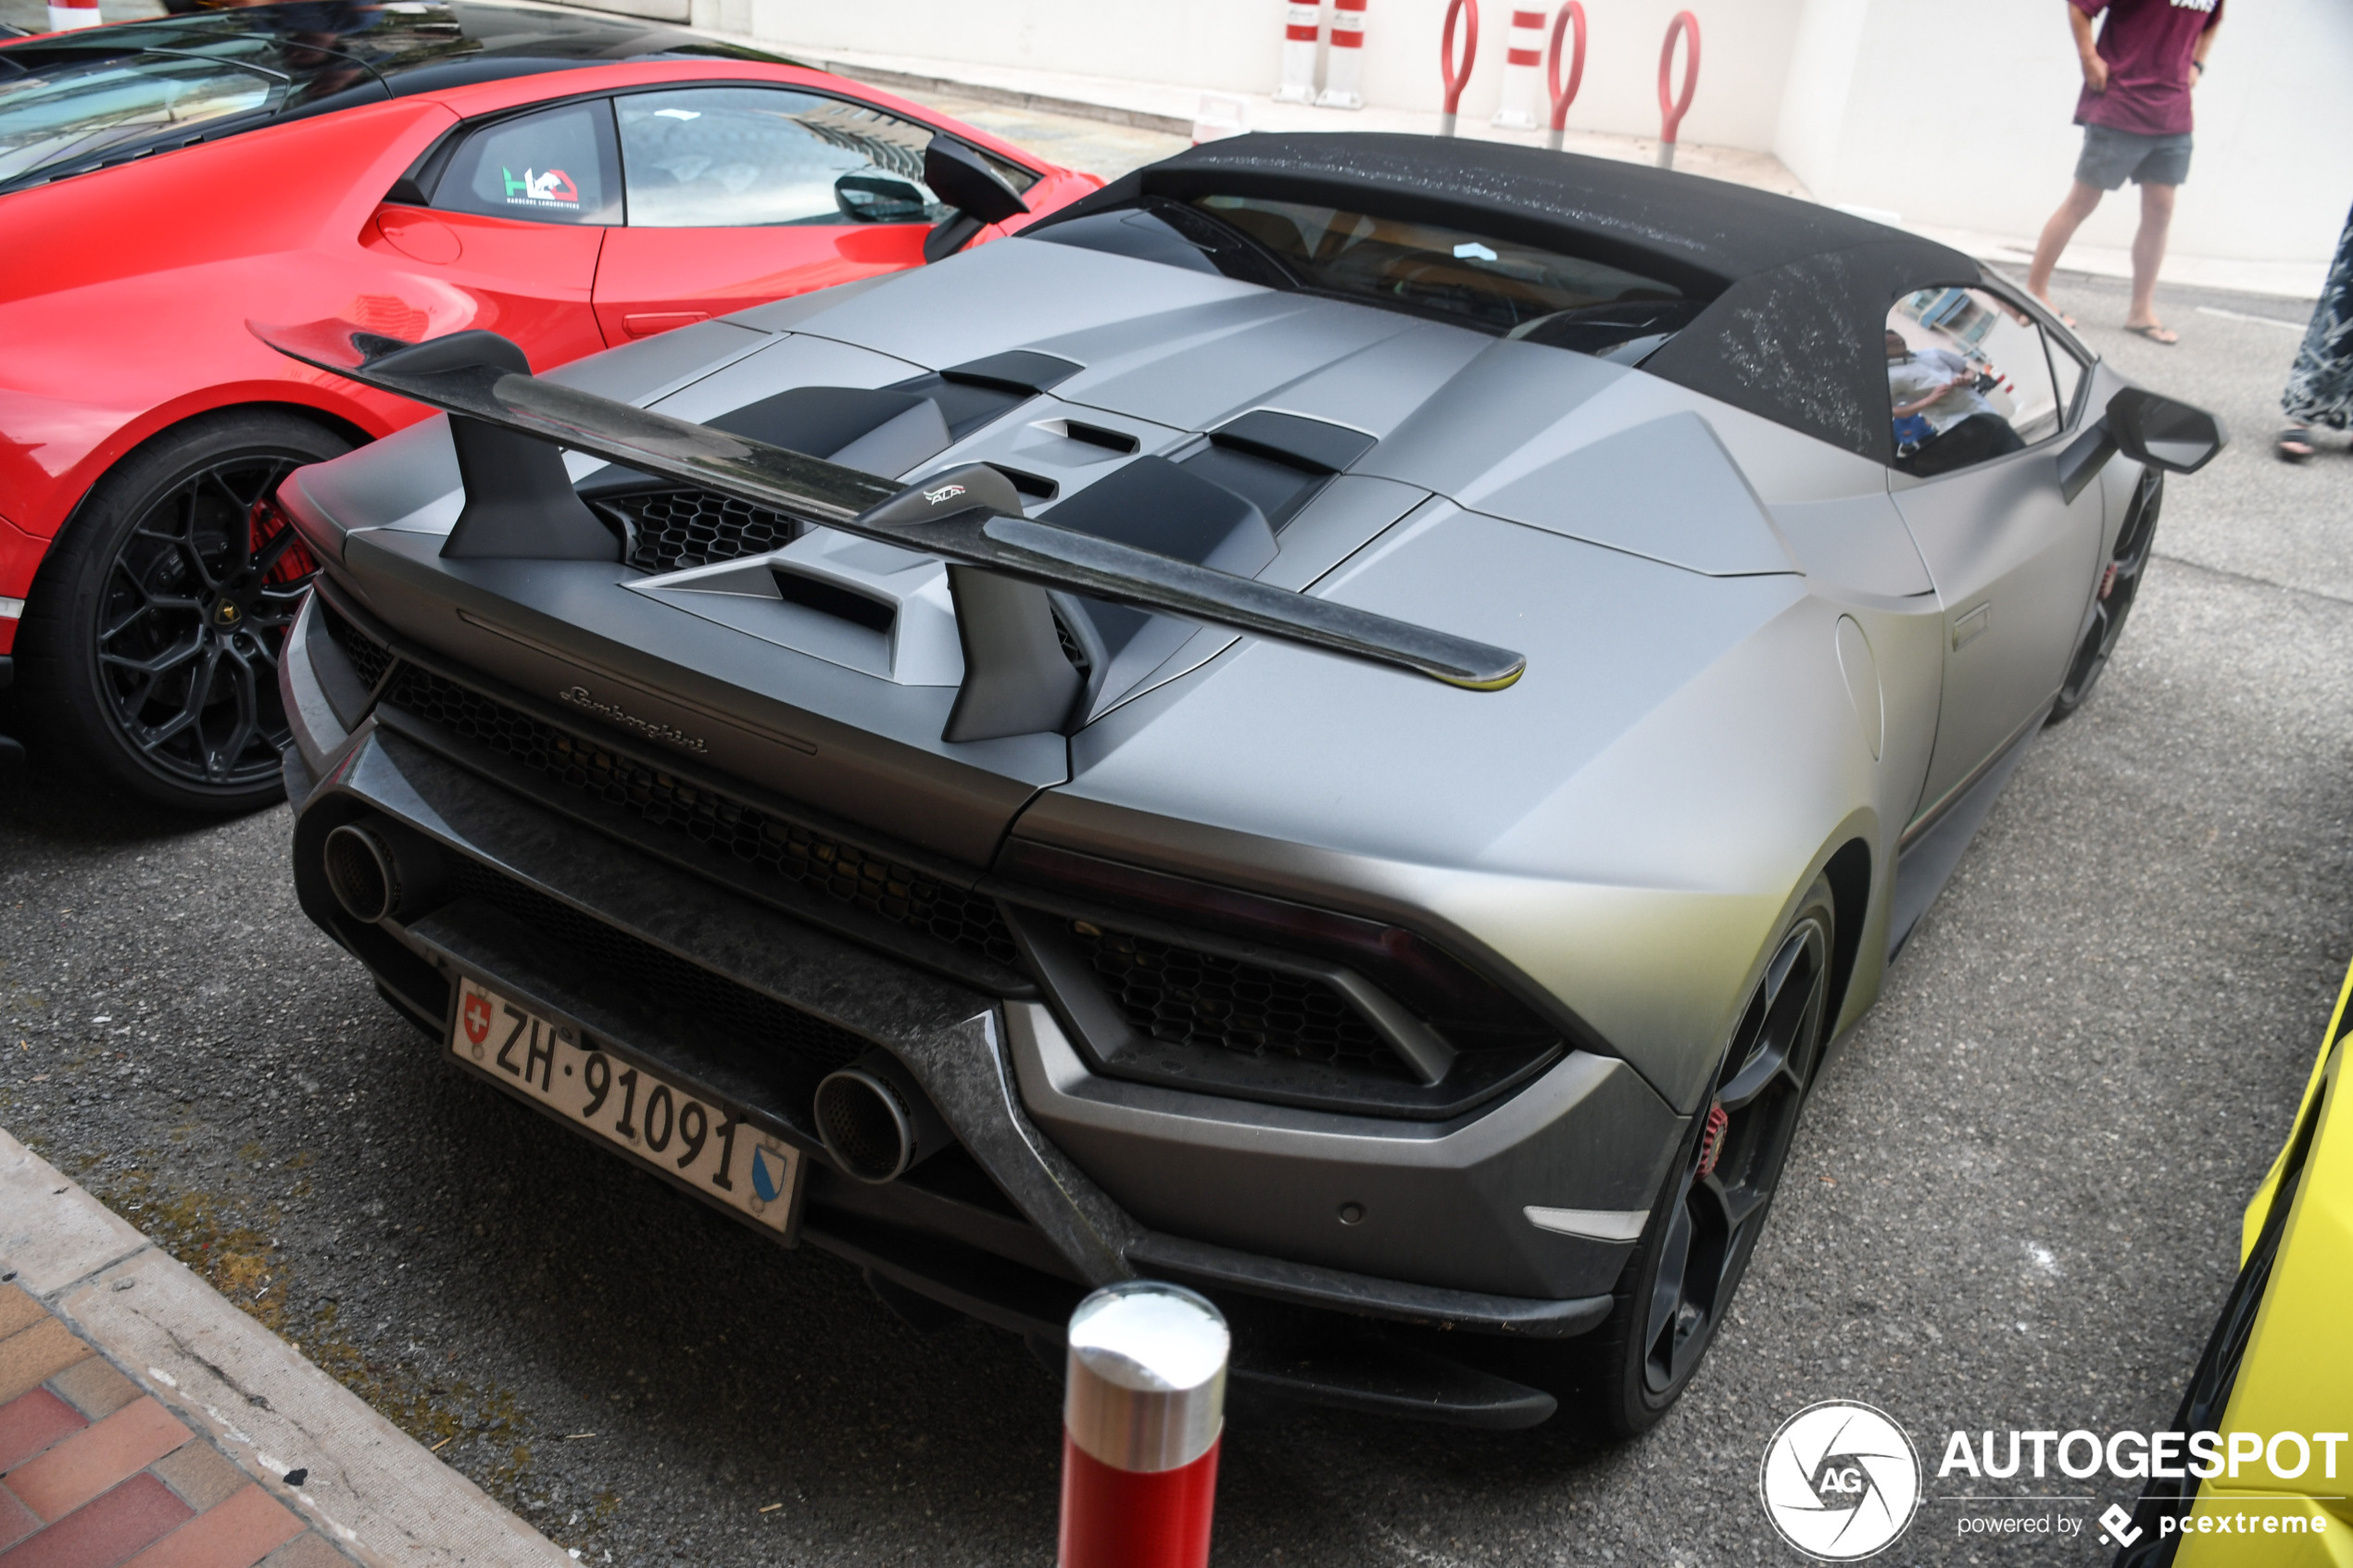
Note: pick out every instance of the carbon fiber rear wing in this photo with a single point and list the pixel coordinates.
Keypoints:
(969, 517)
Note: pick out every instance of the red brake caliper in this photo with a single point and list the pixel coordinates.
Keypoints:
(1711, 1142)
(265, 522)
(2108, 581)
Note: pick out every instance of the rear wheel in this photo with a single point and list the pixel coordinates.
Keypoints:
(1674, 1295)
(2120, 584)
(149, 650)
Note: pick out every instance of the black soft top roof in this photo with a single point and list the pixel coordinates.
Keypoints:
(1800, 291)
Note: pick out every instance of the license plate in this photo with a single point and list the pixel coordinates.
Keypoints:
(694, 1141)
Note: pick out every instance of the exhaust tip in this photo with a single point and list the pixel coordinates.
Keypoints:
(864, 1124)
(360, 874)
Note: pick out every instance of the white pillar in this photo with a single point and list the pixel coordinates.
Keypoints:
(1303, 20)
(67, 15)
(1524, 72)
(1346, 69)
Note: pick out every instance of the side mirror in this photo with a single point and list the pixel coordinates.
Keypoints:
(2161, 432)
(877, 198)
(964, 181)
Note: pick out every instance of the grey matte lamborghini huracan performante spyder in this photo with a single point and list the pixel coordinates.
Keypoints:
(1343, 721)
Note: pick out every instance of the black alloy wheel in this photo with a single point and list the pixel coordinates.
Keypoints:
(2120, 584)
(151, 642)
(1678, 1287)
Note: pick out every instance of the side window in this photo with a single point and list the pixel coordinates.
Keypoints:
(553, 166)
(724, 157)
(1967, 379)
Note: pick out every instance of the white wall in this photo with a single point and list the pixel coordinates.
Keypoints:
(1894, 105)
(1954, 113)
(1235, 45)
(1209, 44)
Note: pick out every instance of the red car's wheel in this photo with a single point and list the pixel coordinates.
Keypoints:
(148, 651)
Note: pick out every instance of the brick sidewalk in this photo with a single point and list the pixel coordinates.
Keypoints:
(94, 1473)
(144, 1420)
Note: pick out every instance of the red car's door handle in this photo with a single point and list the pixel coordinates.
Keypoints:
(646, 323)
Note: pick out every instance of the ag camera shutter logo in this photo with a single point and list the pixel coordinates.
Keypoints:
(1840, 1481)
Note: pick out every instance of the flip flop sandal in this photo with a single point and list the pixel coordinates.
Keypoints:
(2157, 334)
(2294, 436)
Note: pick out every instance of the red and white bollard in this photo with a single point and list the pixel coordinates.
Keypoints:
(1455, 80)
(67, 15)
(1564, 96)
(1302, 20)
(1221, 115)
(1520, 63)
(1345, 69)
(1142, 1413)
(1672, 108)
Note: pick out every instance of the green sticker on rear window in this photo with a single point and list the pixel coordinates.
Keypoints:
(551, 188)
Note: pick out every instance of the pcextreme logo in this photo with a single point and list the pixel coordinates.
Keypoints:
(1840, 1481)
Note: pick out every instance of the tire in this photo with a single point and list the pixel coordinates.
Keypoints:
(1621, 1379)
(2120, 584)
(147, 655)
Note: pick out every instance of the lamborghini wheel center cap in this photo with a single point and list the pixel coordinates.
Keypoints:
(227, 614)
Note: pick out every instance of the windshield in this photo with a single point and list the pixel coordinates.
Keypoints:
(1496, 284)
(70, 112)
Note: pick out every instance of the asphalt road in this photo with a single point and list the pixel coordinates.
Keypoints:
(2013, 1203)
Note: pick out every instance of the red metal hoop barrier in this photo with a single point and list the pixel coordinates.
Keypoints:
(1671, 108)
(1563, 96)
(1455, 81)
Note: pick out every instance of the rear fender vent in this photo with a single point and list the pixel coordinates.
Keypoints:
(1190, 1010)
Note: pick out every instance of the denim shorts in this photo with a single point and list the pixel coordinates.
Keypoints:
(2111, 156)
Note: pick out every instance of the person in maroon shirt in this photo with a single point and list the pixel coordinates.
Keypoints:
(2135, 113)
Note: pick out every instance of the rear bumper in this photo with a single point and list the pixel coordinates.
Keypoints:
(1015, 1226)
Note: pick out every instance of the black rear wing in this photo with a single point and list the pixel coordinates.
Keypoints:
(520, 503)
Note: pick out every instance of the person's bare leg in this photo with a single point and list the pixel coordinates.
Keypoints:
(2080, 200)
(2148, 253)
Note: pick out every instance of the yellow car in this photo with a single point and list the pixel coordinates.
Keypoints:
(2276, 1380)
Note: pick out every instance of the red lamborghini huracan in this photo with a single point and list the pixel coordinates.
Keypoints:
(572, 183)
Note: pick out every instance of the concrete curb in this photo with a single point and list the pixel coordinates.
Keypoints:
(364, 1483)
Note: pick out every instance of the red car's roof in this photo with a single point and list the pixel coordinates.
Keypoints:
(335, 54)
(407, 39)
